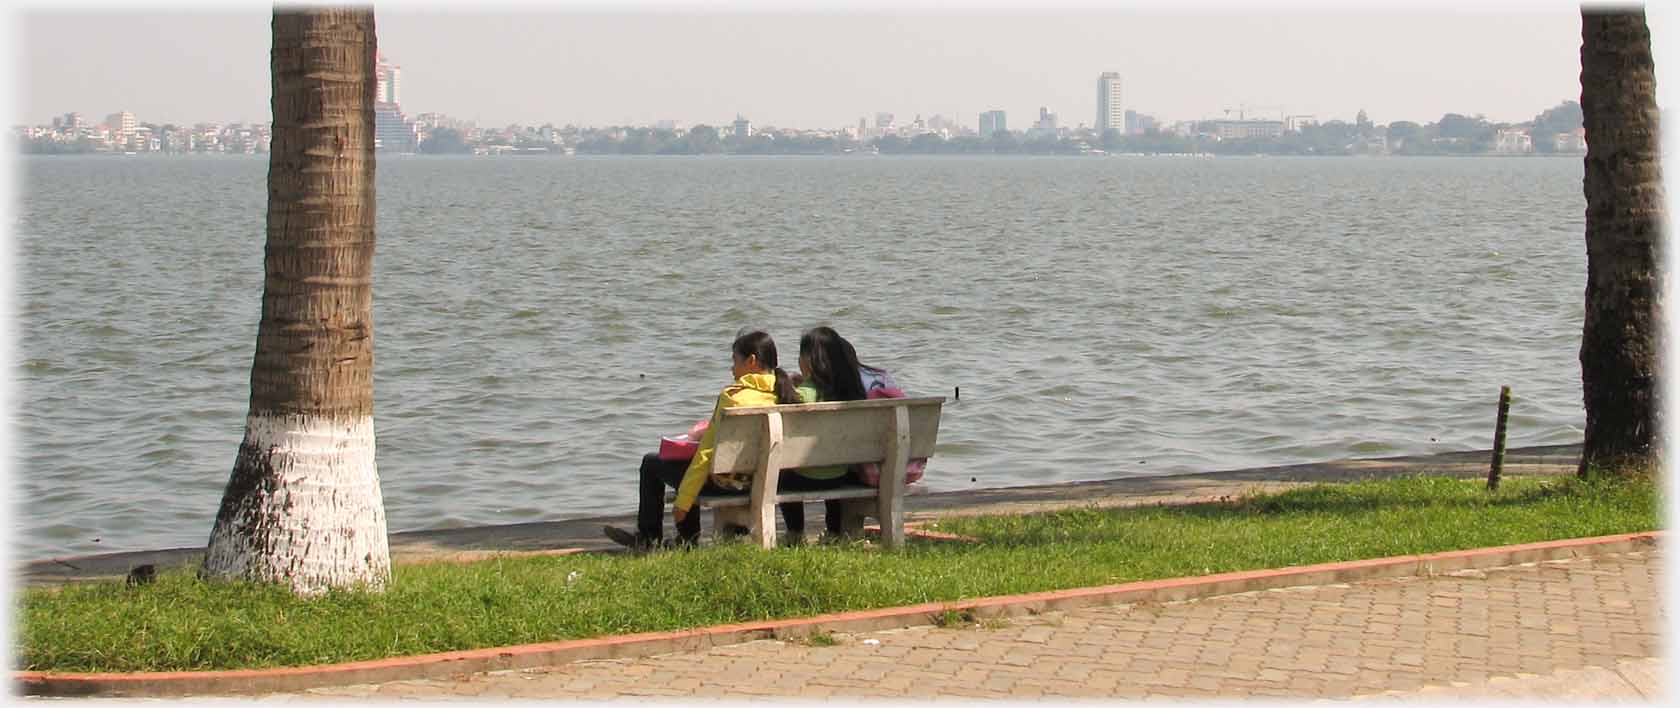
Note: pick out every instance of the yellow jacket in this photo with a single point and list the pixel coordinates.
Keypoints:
(749, 390)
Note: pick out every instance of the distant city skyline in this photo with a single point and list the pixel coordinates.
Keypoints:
(824, 71)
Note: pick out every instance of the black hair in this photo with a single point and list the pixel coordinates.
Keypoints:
(876, 370)
(834, 365)
(759, 344)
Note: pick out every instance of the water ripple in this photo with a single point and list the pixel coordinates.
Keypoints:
(1102, 317)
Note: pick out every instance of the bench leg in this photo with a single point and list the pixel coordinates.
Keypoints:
(891, 516)
(762, 500)
(725, 517)
(893, 470)
(763, 525)
(852, 513)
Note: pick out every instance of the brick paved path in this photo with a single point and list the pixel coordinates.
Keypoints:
(1564, 629)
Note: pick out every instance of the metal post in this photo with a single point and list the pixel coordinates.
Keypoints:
(1499, 439)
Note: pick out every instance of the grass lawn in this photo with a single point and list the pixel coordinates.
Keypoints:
(180, 623)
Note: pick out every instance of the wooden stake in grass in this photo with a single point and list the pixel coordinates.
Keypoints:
(1499, 439)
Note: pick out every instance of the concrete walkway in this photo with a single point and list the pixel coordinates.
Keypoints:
(585, 533)
(1572, 630)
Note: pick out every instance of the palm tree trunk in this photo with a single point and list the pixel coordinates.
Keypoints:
(1621, 343)
(303, 506)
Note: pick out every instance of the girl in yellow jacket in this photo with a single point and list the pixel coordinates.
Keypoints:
(758, 382)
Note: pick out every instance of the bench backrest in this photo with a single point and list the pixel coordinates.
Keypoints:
(817, 434)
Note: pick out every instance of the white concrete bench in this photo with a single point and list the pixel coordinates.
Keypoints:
(765, 439)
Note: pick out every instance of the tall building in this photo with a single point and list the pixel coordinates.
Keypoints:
(392, 131)
(1046, 125)
(991, 122)
(1110, 112)
(743, 127)
(121, 124)
(389, 77)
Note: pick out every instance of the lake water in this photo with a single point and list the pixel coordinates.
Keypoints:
(541, 321)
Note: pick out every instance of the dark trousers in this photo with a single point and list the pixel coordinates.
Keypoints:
(657, 474)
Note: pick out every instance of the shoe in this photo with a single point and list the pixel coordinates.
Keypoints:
(630, 540)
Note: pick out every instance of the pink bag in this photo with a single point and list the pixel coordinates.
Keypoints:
(870, 472)
(677, 448)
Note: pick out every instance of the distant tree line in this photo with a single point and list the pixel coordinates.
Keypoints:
(56, 147)
(1453, 134)
(445, 141)
(707, 140)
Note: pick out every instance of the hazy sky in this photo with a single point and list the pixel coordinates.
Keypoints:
(826, 69)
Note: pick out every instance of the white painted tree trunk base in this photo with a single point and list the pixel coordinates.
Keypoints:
(303, 507)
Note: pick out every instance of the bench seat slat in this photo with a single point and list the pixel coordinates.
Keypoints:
(857, 491)
(786, 408)
(841, 433)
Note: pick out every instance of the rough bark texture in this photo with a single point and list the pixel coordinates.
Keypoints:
(1621, 343)
(303, 505)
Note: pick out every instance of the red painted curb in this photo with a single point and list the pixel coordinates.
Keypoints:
(648, 643)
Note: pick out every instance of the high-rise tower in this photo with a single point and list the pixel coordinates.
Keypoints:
(392, 131)
(390, 81)
(1111, 113)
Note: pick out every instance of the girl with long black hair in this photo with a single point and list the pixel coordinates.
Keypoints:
(829, 371)
(758, 382)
